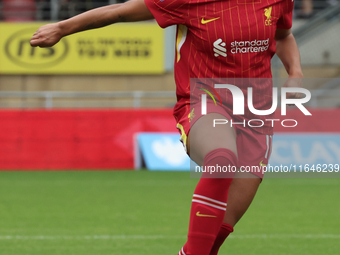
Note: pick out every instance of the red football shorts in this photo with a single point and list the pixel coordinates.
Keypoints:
(253, 148)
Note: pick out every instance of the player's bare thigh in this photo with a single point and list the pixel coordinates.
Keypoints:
(204, 137)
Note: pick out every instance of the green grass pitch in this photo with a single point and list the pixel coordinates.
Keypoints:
(143, 213)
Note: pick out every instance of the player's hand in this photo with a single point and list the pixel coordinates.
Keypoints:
(46, 36)
(294, 81)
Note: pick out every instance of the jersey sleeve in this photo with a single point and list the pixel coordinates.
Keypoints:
(286, 20)
(168, 12)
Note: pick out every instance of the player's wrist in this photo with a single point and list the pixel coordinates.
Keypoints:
(297, 73)
(62, 28)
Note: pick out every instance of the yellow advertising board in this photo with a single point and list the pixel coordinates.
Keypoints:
(131, 48)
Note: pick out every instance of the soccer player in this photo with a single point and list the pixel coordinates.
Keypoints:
(215, 39)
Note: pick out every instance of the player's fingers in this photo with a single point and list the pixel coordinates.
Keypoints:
(39, 42)
(35, 39)
(34, 42)
(299, 95)
(289, 95)
(294, 95)
(36, 34)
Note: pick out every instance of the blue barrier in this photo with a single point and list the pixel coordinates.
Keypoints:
(297, 149)
(160, 151)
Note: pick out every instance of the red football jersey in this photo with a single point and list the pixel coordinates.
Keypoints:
(224, 39)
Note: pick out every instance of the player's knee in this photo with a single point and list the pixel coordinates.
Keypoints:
(222, 154)
(220, 163)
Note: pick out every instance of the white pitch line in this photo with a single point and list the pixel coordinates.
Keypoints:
(134, 237)
(88, 237)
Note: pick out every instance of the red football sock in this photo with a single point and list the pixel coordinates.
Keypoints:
(209, 204)
(225, 230)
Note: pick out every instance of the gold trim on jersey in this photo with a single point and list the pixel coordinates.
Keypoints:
(183, 138)
(181, 37)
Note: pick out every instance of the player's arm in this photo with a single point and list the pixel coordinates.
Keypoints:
(288, 52)
(50, 34)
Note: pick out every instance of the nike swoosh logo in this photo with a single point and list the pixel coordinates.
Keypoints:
(203, 21)
(261, 164)
(204, 215)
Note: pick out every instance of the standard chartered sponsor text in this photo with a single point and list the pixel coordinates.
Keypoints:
(249, 46)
